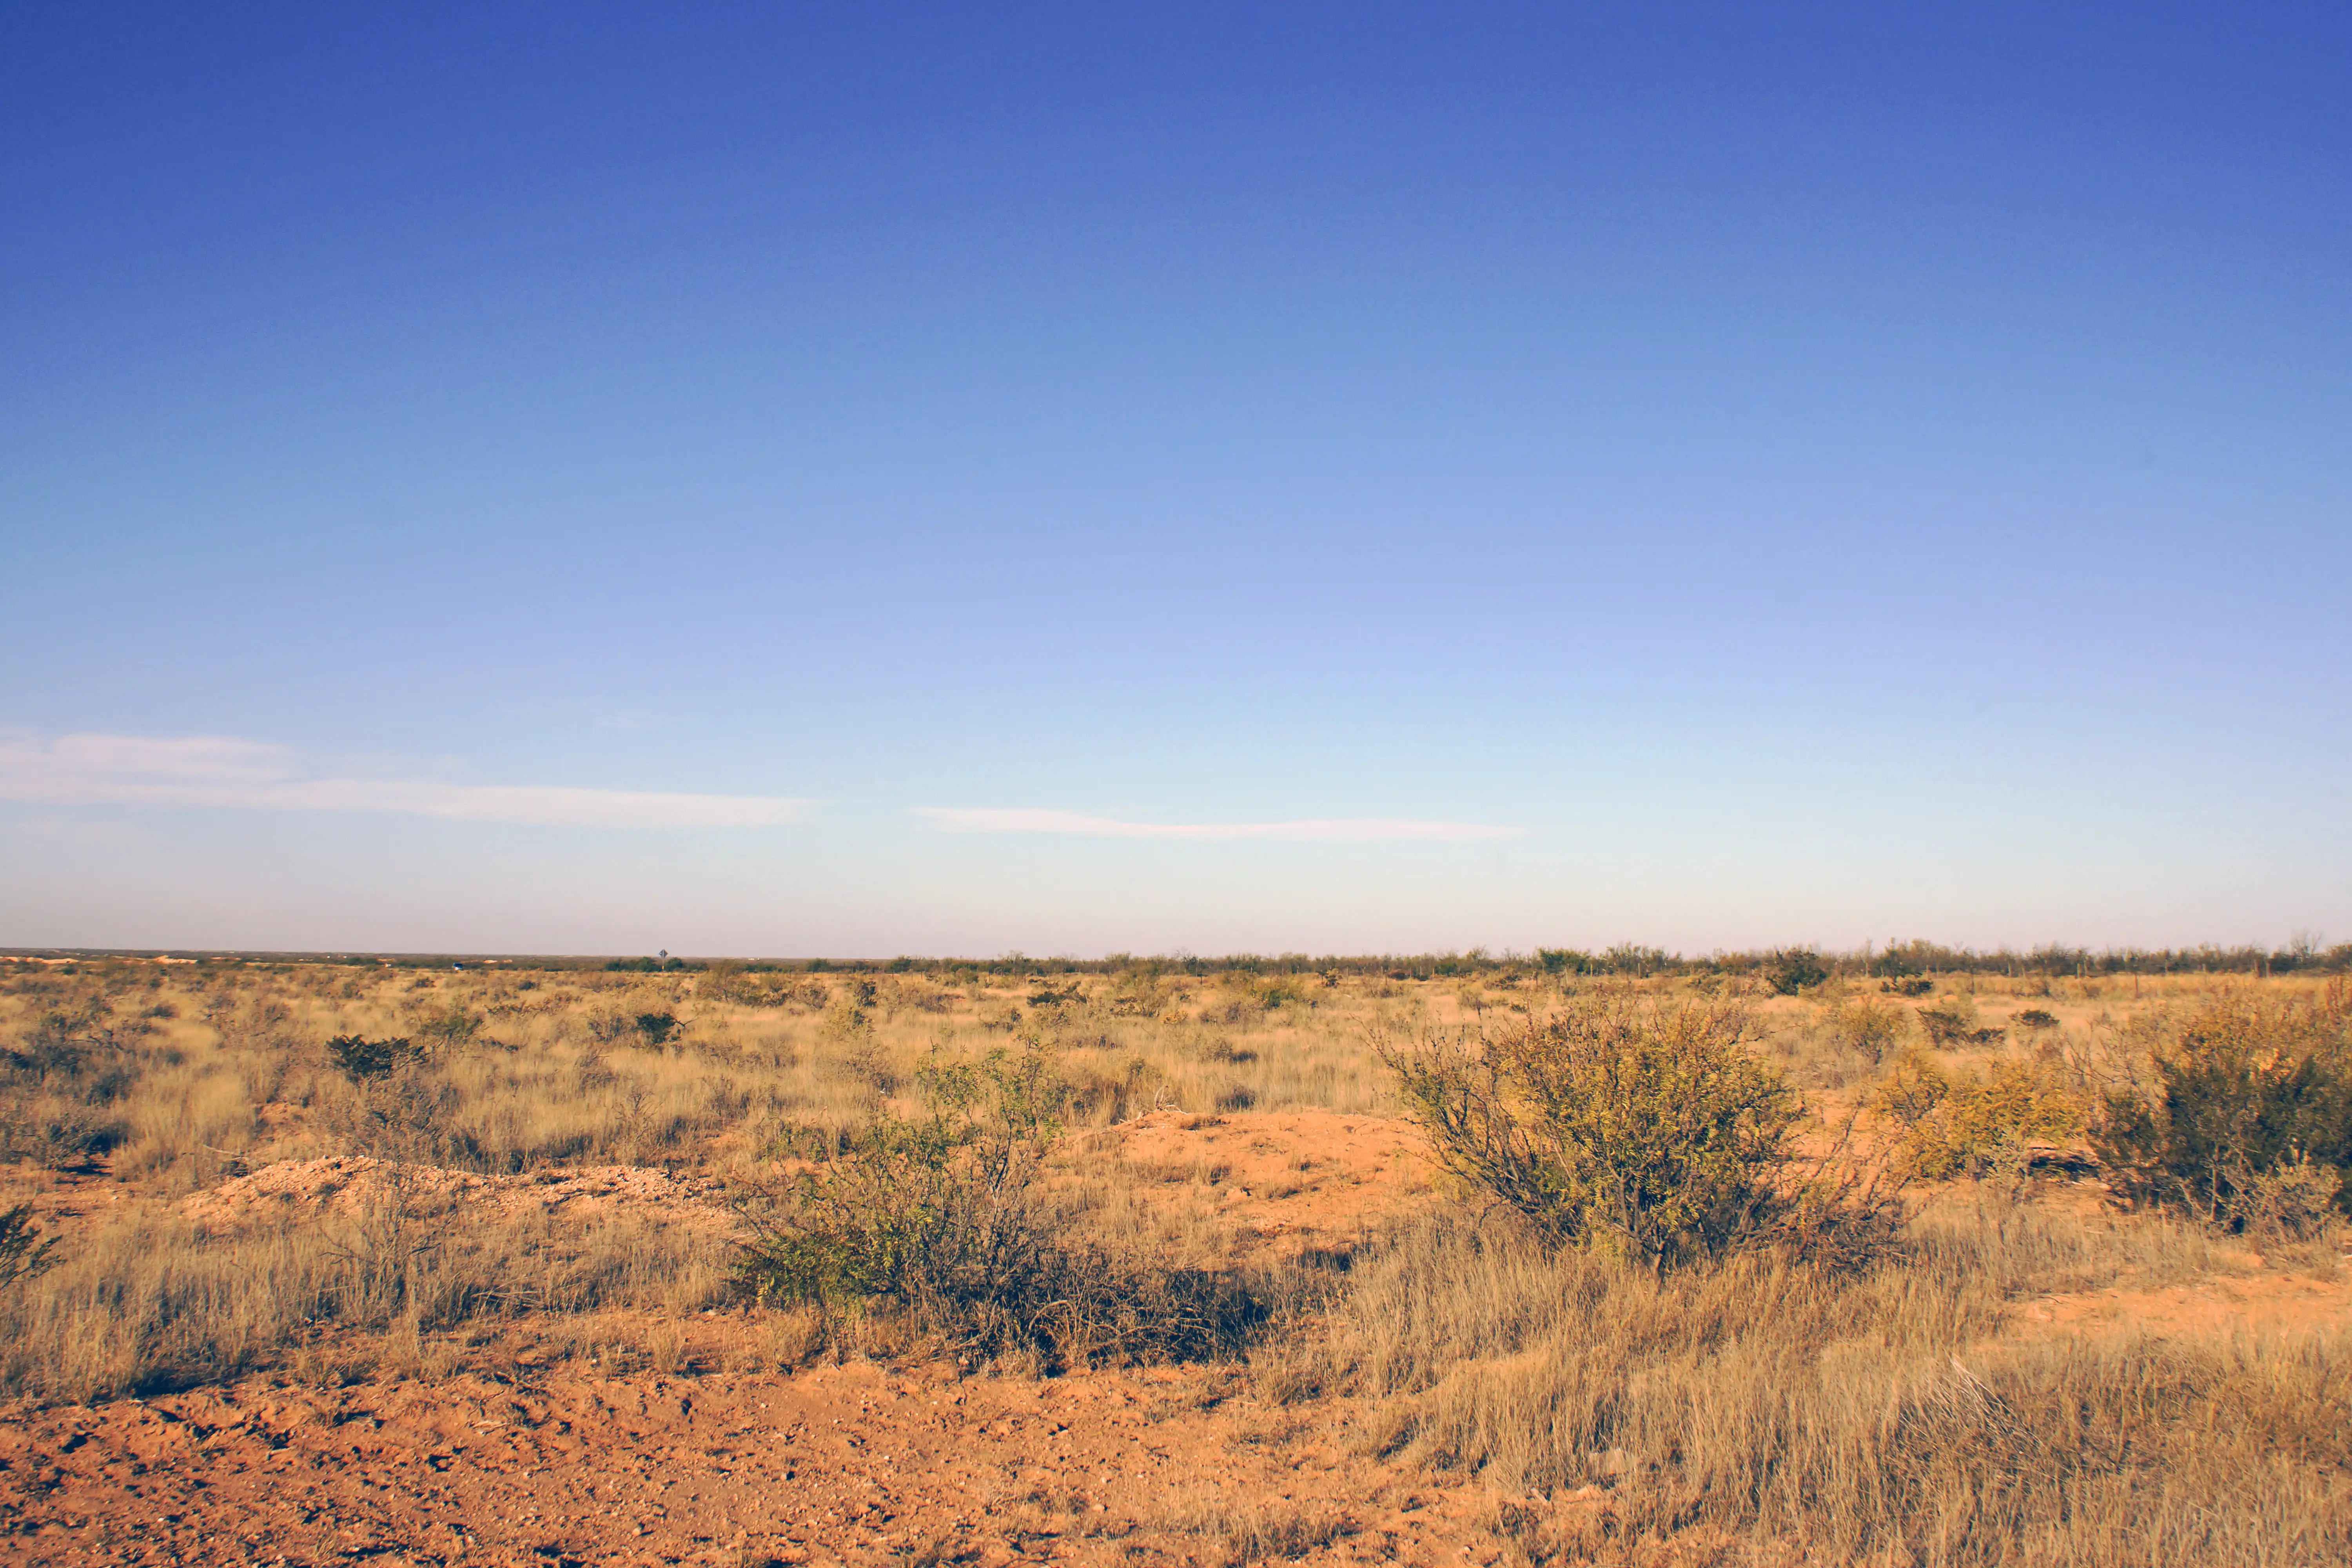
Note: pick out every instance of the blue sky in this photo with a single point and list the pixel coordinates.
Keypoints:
(863, 480)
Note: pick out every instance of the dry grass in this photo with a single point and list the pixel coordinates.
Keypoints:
(1785, 1411)
(156, 1081)
(144, 1301)
(1851, 1417)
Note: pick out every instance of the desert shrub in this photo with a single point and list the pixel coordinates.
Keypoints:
(1245, 1011)
(2248, 1115)
(450, 1026)
(405, 1112)
(848, 1018)
(2037, 1019)
(939, 1218)
(728, 981)
(1872, 1028)
(1913, 985)
(1952, 1025)
(1975, 1124)
(621, 1028)
(58, 1131)
(1793, 969)
(1135, 994)
(1231, 1098)
(1100, 1098)
(361, 1058)
(1288, 992)
(1913, 1087)
(1646, 1128)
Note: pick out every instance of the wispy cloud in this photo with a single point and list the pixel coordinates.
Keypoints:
(217, 771)
(1338, 829)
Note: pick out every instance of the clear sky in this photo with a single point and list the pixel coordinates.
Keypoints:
(865, 478)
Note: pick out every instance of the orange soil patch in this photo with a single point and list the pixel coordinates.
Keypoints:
(851, 1464)
(2209, 1308)
(1286, 1181)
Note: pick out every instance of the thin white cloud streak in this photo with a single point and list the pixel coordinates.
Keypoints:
(1071, 824)
(249, 775)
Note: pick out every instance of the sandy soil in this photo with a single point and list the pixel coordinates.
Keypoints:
(852, 1464)
(1286, 1181)
(346, 1185)
(543, 1461)
(2210, 1308)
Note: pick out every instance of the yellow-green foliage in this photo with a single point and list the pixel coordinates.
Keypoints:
(1870, 1026)
(1972, 1122)
(1647, 1128)
(2247, 1116)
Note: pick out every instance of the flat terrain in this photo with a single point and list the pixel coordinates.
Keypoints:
(557, 1369)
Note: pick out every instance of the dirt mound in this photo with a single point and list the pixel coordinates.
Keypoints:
(351, 1185)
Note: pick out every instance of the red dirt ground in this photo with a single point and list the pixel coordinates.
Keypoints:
(540, 1461)
(839, 1464)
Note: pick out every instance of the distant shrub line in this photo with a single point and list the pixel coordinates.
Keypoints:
(1788, 969)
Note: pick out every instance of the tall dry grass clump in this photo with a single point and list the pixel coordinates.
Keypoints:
(147, 1303)
(1833, 1414)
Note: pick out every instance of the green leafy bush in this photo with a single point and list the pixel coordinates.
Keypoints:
(1643, 1129)
(939, 1216)
(2248, 1114)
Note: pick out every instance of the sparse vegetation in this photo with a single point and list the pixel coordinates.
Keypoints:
(1841, 1416)
(1654, 1297)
